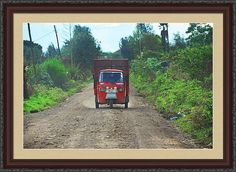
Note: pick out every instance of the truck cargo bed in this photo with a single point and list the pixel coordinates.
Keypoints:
(121, 64)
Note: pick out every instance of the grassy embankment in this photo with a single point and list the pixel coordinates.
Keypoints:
(181, 92)
(46, 97)
(52, 84)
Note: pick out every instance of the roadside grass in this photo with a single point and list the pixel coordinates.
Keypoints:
(46, 97)
(186, 99)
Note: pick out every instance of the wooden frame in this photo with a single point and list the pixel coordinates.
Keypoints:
(11, 9)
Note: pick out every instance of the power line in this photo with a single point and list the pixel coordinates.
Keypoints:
(44, 35)
(65, 38)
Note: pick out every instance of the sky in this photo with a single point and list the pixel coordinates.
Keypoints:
(108, 34)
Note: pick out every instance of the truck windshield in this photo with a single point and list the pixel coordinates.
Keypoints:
(111, 77)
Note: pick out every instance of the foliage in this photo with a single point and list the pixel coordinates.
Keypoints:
(179, 42)
(178, 82)
(151, 42)
(126, 51)
(171, 96)
(66, 49)
(195, 61)
(52, 81)
(74, 73)
(51, 72)
(111, 55)
(116, 55)
(75, 86)
(44, 98)
(199, 34)
(144, 28)
(143, 39)
(57, 71)
(84, 47)
(51, 51)
(37, 52)
(41, 76)
(106, 54)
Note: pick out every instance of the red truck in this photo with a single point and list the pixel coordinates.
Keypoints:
(111, 82)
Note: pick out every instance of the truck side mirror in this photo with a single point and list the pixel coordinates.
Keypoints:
(126, 79)
(94, 78)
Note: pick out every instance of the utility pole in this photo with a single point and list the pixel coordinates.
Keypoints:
(71, 58)
(57, 41)
(140, 47)
(165, 36)
(32, 49)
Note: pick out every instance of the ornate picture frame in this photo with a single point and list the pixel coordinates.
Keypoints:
(10, 12)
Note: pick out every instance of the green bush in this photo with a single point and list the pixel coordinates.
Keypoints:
(74, 73)
(50, 84)
(51, 72)
(73, 86)
(44, 98)
(57, 71)
(196, 61)
(41, 76)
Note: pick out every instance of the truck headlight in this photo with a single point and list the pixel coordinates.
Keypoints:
(120, 89)
(102, 89)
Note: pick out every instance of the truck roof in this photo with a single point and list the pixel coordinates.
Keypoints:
(111, 70)
(118, 65)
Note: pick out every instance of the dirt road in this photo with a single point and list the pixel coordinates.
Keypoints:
(76, 123)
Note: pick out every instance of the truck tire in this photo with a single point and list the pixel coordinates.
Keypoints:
(111, 104)
(126, 105)
(96, 103)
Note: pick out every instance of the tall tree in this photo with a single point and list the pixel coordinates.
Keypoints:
(38, 52)
(66, 49)
(85, 48)
(151, 42)
(179, 42)
(51, 51)
(143, 28)
(143, 39)
(126, 51)
(199, 34)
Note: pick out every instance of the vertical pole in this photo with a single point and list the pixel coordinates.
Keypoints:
(25, 84)
(71, 58)
(167, 36)
(57, 41)
(32, 49)
(140, 51)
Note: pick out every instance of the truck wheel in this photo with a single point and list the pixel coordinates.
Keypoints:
(96, 103)
(126, 105)
(111, 104)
